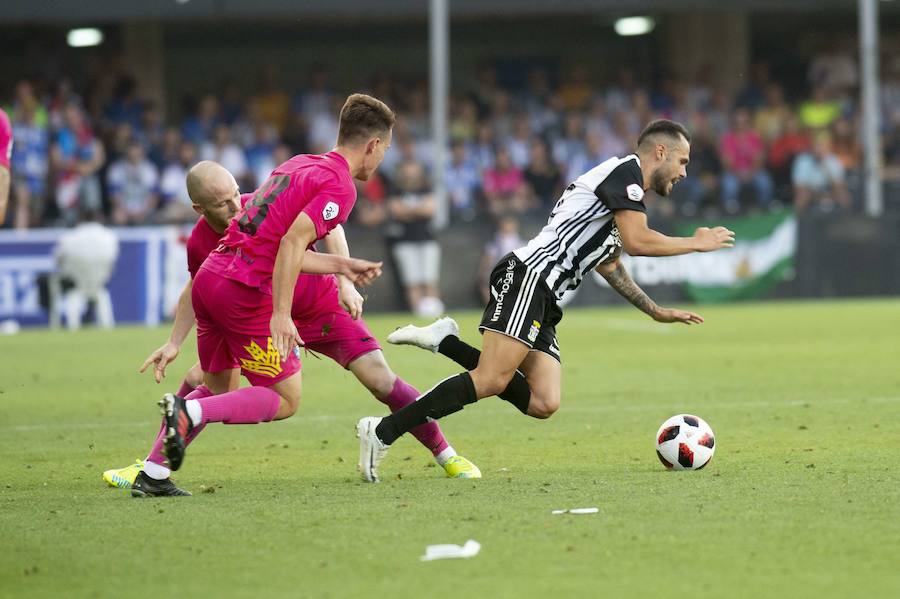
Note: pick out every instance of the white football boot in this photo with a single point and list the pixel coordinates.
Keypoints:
(429, 337)
(371, 449)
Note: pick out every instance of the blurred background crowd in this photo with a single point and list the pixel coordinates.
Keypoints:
(96, 146)
(105, 132)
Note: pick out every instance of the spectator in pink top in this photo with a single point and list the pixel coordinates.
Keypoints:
(743, 159)
(504, 187)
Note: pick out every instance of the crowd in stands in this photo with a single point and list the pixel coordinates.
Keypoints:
(108, 151)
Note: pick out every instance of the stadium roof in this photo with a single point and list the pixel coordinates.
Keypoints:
(56, 11)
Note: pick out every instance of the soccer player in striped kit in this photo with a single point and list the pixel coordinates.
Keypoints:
(598, 216)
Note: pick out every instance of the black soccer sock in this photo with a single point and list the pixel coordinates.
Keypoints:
(518, 393)
(449, 396)
(459, 351)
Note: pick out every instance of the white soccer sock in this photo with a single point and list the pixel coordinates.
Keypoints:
(194, 411)
(445, 455)
(156, 471)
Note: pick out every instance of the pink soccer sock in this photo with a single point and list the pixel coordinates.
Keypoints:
(428, 434)
(249, 405)
(185, 389)
(198, 393)
(156, 455)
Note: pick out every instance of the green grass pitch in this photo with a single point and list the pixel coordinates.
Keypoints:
(801, 500)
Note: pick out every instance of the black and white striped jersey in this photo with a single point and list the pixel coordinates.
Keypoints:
(581, 232)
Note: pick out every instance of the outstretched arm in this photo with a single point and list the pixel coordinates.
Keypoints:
(336, 243)
(338, 261)
(350, 298)
(640, 240)
(184, 322)
(361, 272)
(618, 278)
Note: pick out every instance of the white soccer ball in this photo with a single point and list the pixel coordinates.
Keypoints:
(685, 442)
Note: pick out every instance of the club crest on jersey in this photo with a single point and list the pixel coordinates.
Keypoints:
(330, 211)
(634, 192)
(534, 330)
(266, 362)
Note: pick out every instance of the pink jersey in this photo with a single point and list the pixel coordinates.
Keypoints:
(6, 140)
(307, 293)
(503, 183)
(742, 150)
(318, 185)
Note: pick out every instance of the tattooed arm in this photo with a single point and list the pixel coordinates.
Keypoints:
(618, 278)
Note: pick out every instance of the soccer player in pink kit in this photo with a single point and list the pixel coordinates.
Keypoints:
(6, 142)
(325, 311)
(244, 291)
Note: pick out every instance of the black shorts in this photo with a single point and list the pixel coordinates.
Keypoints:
(522, 307)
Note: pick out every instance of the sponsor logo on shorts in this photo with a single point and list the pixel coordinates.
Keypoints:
(266, 362)
(505, 283)
(330, 211)
(615, 237)
(534, 330)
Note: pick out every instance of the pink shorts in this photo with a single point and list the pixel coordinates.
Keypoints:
(324, 325)
(233, 330)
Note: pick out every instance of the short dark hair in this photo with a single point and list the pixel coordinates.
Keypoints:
(664, 127)
(364, 117)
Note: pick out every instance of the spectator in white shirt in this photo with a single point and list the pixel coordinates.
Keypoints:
(176, 204)
(818, 177)
(132, 183)
(519, 143)
(463, 182)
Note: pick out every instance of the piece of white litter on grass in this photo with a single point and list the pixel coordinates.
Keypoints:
(433, 552)
(577, 510)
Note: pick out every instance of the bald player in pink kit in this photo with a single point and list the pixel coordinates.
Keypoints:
(244, 292)
(6, 143)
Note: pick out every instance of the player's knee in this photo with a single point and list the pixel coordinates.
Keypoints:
(216, 386)
(194, 376)
(287, 408)
(375, 375)
(382, 386)
(543, 407)
(493, 384)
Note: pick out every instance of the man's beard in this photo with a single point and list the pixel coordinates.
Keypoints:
(659, 183)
